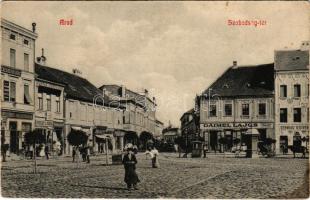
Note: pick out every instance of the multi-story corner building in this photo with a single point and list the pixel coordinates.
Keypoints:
(85, 108)
(17, 83)
(49, 108)
(240, 99)
(291, 96)
(139, 121)
(190, 126)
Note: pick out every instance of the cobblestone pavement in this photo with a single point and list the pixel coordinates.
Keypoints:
(214, 177)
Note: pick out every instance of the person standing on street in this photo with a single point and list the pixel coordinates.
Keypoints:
(205, 149)
(129, 161)
(73, 154)
(88, 154)
(155, 162)
(46, 151)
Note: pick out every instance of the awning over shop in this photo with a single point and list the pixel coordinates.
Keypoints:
(252, 131)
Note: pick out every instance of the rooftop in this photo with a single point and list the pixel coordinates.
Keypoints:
(255, 80)
(289, 60)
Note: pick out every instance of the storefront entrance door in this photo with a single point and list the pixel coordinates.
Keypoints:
(213, 140)
(284, 143)
(14, 139)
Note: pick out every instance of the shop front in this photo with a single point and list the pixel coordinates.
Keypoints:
(223, 137)
(292, 135)
(14, 125)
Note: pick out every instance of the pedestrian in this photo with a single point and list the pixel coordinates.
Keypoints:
(73, 154)
(83, 152)
(155, 162)
(88, 154)
(205, 149)
(129, 161)
(46, 151)
(135, 149)
(4, 149)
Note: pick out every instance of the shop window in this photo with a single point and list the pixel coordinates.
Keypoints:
(283, 91)
(26, 62)
(228, 109)
(245, 109)
(296, 90)
(212, 111)
(297, 114)
(262, 109)
(283, 114)
(12, 58)
(27, 98)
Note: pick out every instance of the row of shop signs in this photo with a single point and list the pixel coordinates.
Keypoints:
(239, 125)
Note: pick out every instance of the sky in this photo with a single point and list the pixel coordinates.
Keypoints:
(173, 49)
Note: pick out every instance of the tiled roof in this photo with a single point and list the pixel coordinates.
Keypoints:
(76, 87)
(291, 60)
(191, 111)
(244, 81)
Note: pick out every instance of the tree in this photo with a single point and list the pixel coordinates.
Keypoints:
(34, 137)
(77, 137)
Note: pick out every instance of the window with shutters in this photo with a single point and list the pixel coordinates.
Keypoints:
(27, 98)
(26, 62)
(12, 58)
(9, 91)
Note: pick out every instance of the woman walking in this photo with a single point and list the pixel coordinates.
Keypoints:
(154, 153)
(129, 162)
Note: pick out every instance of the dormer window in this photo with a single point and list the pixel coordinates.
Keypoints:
(12, 36)
(225, 86)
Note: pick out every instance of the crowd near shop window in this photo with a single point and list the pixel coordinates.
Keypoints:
(283, 91)
(228, 109)
(283, 114)
(12, 36)
(27, 99)
(262, 109)
(297, 114)
(26, 62)
(57, 104)
(245, 109)
(9, 91)
(40, 101)
(12, 58)
(48, 103)
(296, 90)
(212, 111)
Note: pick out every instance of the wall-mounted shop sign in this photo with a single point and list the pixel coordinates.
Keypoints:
(295, 127)
(234, 125)
(43, 123)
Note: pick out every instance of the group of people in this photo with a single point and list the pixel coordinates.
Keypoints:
(84, 151)
(129, 161)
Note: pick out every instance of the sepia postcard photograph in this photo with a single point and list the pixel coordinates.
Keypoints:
(155, 99)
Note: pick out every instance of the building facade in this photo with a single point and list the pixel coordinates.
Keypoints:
(17, 83)
(190, 125)
(240, 100)
(170, 134)
(291, 96)
(139, 114)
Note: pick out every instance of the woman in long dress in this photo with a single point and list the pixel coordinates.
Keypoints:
(155, 162)
(129, 162)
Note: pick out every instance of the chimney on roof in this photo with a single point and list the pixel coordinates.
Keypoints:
(123, 91)
(34, 27)
(235, 64)
(103, 91)
(42, 59)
